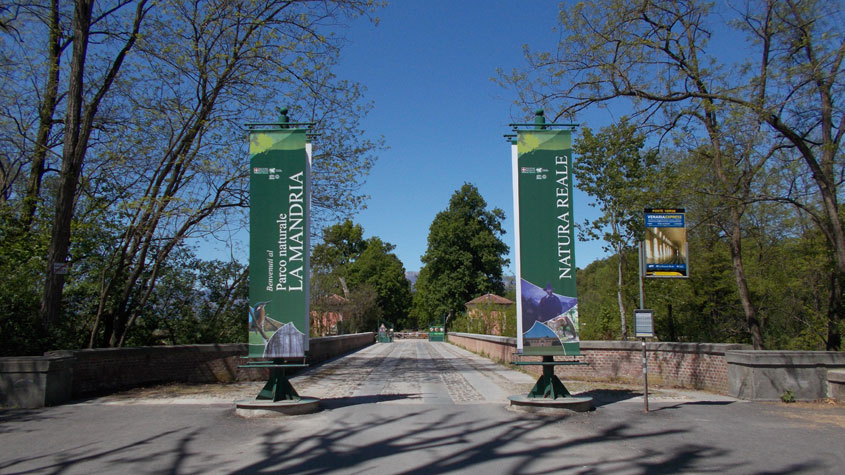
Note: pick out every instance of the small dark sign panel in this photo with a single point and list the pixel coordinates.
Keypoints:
(643, 323)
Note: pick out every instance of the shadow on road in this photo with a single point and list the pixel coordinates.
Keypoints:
(514, 446)
(694, 403)
(338, 402)
(602, 397)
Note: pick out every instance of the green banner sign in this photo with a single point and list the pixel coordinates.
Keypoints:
(279, 188)
(547, 304)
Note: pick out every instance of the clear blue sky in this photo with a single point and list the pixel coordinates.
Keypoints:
(428, 68)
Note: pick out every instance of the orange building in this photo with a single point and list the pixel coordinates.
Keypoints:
(325, 322)
(490, 311)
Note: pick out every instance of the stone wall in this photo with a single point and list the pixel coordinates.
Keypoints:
(35, 381)
(766, 375)
(61, 375)
(686, 365)
(836, 385)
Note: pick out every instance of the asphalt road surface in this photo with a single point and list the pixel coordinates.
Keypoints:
(420, 407)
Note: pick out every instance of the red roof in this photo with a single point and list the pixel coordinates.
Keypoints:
(489, 299)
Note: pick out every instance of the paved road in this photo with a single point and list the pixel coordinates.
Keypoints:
(420, 407)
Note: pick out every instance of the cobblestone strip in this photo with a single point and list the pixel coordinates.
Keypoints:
(511, 380)
(403, 377)
(459, 389)
(342, 377)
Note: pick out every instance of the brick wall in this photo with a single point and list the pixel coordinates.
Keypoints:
(687, 365)
(109, 369)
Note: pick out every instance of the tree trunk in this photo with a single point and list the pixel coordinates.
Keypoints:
(78, 128)
(73, 153)
(622, 312)
(45, 119)
(751, 319)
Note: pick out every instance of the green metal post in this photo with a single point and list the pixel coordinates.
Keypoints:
(278, 387)
(539, 119)
(549, 386)
(284, 120)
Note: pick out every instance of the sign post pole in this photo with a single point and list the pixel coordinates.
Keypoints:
(642, 305)
(644, 327)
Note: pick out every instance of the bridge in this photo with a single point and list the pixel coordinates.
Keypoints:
(415, 406)
(413, 372)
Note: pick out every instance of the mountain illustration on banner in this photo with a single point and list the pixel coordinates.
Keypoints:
(541, 335)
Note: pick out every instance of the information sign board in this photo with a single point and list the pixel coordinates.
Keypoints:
(279, 189)
(666, 243)
(644, 323)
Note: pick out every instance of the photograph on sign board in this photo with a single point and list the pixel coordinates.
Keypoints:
(550, 319)
(666, 244)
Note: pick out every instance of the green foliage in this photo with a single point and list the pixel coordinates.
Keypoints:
(365, 272)
(164, 165)
(464, 257)
(787, 396)
(621, 178)
(753, 129)
(486, 320)
(613, 169)
(786, 275)
(380, 269)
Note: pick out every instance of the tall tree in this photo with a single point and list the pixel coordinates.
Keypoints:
(83, 101)
(155, 95)
(655, 56)
(613, 169)
(341, 244)
(378, 267)
(362, 270)
(464, 257)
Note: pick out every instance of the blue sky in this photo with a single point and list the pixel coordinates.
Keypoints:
(428, 68)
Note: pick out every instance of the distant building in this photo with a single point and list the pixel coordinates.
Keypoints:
(490, 310)
(326, 320)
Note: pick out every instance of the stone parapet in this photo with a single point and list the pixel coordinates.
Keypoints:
(687, 365)
(767, 375)
(35, 381)
(836, 385)
(59, 376)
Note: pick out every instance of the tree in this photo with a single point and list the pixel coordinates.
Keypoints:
(378, 267)
(464, 257)
(655, 57)
(78, 127)
(370, 277)
(158, 98)
(612, 168)
(194, 182)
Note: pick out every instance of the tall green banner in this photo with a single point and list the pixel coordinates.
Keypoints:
(547, 304)
(279, 188)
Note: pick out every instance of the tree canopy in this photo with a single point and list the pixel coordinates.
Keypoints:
(464, 257)
(121, 138)
(365, 272)
(765, 114)
(613, 169)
